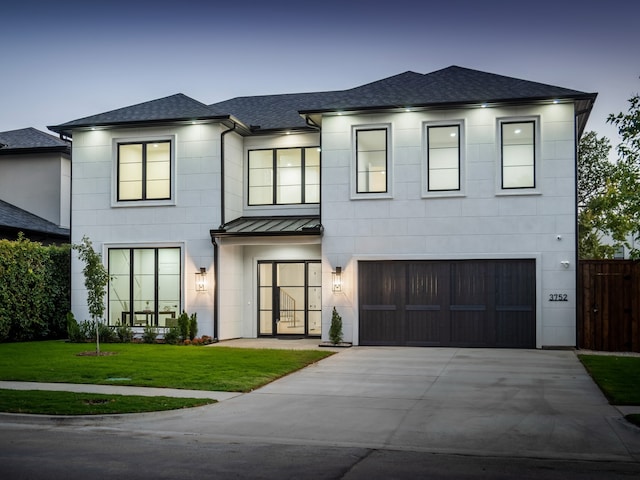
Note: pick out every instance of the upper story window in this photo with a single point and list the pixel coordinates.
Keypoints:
(518, 154)
(443, 158)
(371, 151)
(284, 176)
(144, 171)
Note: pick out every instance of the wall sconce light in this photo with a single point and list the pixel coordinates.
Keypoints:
(201, 280)
(565, 263)
(336, 280)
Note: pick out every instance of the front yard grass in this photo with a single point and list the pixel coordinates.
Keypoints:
(618, 377)
(70, 403)
(170, 366)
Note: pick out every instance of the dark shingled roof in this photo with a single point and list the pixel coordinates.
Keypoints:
(451, 86)
(19, 141)
(176, 107)
(270, 226)
(447, 87)
(269, 112)
(19, 219)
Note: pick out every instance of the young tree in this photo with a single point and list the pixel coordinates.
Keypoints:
(95, 280)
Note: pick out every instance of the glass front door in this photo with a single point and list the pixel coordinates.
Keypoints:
(289, 298)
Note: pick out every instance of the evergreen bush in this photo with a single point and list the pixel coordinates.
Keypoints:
(34, 290)
(183, 324)
(193, 326)
(73, 330)
(335, 331)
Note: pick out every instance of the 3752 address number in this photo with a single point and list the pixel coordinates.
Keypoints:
(558, 297)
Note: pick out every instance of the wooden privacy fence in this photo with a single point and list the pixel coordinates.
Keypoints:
(609, 306)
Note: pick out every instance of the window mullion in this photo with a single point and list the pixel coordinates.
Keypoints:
(156, 285)
(303, 168)
(131, 283)
(144, 170)
(274, 182)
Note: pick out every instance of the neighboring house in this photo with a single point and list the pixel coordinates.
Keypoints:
(434, 209)
(35, 186)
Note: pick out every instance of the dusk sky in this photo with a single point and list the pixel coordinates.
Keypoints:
(63, 60)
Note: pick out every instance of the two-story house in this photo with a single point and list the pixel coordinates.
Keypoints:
(429, 209)
(35, 186)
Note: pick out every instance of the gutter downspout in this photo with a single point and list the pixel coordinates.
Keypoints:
(216, 249)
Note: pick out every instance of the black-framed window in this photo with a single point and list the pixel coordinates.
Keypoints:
(371, 160)
(443, 158)
(518, 154)
(284, 176)
(144, 171)
(144, 286)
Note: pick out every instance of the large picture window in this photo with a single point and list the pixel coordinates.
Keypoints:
(284, 176)
(144, 171)
(144, 286)
(371, 160)
(518, 154)
(443, 158)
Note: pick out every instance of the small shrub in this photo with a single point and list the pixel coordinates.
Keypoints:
(87, 330)
(124, 333)
(187, 342)
(107, 334)
(172, 336)
(335, 331)
(73, 330)
(149, 334)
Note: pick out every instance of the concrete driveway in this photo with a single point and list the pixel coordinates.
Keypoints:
(524, 403)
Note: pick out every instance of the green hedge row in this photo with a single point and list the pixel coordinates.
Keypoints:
(35, 286)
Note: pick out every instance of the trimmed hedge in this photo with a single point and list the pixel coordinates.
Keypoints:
(35, 286)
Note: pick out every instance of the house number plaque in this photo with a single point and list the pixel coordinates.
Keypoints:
(558, 297)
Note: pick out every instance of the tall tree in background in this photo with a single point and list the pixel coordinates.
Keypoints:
(595, 172)
(609, 193)
(625, 197)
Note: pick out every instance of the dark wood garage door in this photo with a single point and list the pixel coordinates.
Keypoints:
(467, 303)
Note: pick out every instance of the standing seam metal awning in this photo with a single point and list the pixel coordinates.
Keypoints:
(269, 226)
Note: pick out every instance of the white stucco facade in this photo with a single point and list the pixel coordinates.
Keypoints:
(481, 221)
(182, 222)
(282, 249)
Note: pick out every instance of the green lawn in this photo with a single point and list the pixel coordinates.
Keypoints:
(69, 403)
(188, 367)
(618, 377)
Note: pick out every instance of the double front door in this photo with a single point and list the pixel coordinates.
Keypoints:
(289, 298)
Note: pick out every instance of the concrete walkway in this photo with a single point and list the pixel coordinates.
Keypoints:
(488, 402)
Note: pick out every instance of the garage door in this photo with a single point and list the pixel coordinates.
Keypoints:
(466, 303)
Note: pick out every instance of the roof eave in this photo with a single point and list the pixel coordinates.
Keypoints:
(67, 130)
(30, 150)
(257, 130)
(449, 105)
